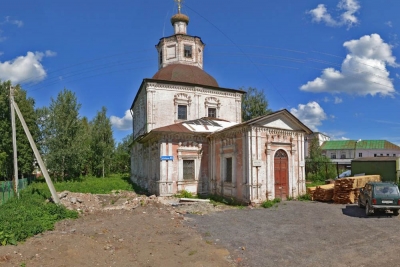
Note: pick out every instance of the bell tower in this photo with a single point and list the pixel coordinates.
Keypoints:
(180, 48)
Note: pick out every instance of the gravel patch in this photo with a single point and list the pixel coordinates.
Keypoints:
(296, 233)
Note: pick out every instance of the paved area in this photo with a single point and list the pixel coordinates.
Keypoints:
(296, 233)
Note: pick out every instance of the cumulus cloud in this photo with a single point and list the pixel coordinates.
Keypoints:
(124, 123)
(310, 114)
(25, 68)
(363, 71)
(347, 17)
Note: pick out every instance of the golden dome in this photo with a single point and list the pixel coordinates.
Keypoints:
(179, 17)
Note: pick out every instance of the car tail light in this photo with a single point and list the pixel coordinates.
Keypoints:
(374, 201)
(398, 202)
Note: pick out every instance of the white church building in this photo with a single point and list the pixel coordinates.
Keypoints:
(188, 133)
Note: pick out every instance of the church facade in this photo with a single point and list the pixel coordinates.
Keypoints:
(188, 133)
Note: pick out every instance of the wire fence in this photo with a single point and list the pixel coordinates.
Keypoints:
(7, 188)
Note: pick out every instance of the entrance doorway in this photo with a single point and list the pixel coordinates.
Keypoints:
(281, 174)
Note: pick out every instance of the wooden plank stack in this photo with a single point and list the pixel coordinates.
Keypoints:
(324, 192)
(310, 191)
(346, 190)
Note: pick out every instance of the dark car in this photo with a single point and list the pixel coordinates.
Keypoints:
(379, 196)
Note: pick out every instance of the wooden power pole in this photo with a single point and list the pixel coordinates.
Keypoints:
(34, 148)
(14, 140)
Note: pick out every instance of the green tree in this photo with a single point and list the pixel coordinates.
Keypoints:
(25, 153)
(254, 104)
(102, 144)
(62, 136)
(318, 166)
(122, 155)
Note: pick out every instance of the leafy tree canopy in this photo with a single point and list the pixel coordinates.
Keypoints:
(254, 104)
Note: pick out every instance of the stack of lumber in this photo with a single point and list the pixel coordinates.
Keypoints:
(310, 191)
(346, 190)
(324, 192)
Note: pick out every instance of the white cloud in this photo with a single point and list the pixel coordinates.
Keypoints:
(389, 23)
(7, 20)
(349, 7)
(311, 114)
(363, 71)
(25, 68)
(124, 123)
(338, 100)
(19, 23)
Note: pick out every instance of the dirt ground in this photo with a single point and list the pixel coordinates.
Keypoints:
(121, 229)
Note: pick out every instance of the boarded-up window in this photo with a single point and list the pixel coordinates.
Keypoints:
(188, 169)
(228, 170)
(171, 52)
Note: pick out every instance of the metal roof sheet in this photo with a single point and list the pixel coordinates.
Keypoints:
(364, 144)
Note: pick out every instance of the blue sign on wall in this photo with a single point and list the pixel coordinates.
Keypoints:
(167, 157)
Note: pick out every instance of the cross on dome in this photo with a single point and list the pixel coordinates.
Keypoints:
(179, 3)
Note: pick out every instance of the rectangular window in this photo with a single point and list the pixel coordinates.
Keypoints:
(333, 155)
(212, 112)
(228, 170)
(394, 155)
(188, 51)
(343, 156)
(360, 155)
(374, 155)
(161, 57)
(182, 112)
(188, 169)
(387, 155)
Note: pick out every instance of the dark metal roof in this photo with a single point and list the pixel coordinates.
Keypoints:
(204, 121)
(373, 159)
(185, 73)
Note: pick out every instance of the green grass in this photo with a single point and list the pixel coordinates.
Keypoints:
(94, 185)
(305, 197)
(270, 203)
(313, 184)
(31, 214)
(185, 194)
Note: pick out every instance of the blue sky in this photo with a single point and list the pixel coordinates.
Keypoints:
(332, 63)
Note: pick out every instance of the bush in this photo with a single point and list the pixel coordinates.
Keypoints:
(305, 197)
(185, 194)
(30, 215)
(270, 203)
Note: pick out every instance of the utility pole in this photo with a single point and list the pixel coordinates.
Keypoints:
(15, 108)
(14, 139)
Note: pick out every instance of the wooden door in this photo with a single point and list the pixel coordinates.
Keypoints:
(281, 174)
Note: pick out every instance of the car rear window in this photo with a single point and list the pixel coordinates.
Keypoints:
(386, 190)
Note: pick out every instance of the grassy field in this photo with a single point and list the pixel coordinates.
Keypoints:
(31, 213)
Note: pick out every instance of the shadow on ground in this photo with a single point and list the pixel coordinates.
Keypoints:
(357, 212)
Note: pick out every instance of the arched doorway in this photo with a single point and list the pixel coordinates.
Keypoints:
(281, 174)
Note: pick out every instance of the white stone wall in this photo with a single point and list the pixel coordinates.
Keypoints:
(162, 102)
(172, 51)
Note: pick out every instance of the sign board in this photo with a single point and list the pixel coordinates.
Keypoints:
(167, 157)
(257, 162)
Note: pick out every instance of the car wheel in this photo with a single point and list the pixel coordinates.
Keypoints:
(396, 213)
(359, 203)
(367, 209)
